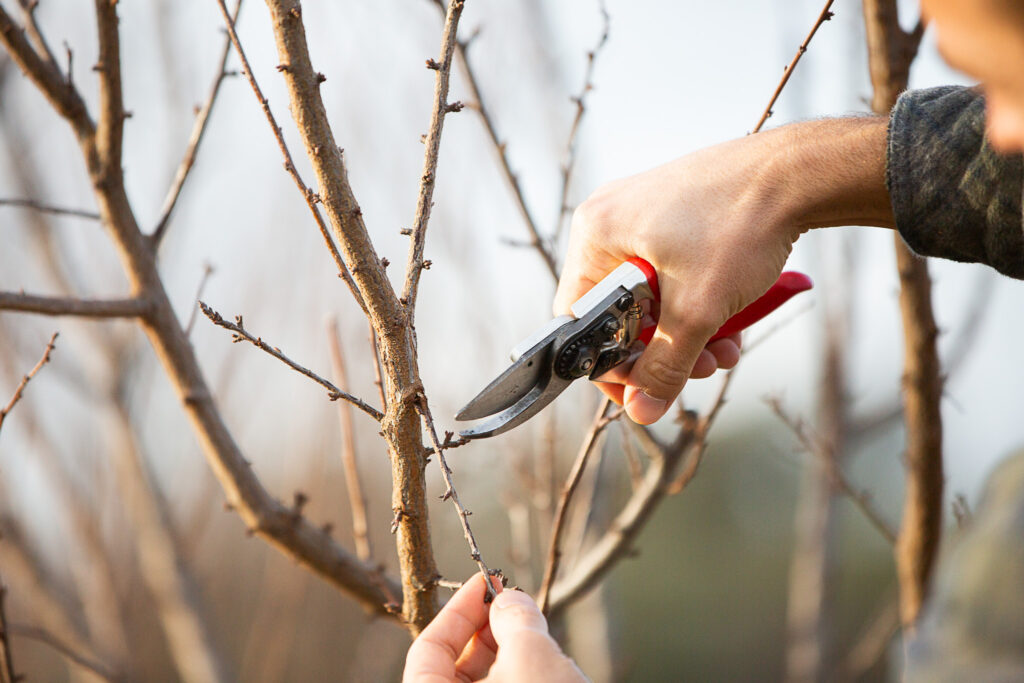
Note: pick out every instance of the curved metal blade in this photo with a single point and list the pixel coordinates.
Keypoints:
(529, 405)
(513, 384)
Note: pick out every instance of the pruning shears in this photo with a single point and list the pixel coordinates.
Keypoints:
(604, 330)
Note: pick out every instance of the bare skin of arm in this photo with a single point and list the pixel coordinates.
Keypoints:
(718, 226)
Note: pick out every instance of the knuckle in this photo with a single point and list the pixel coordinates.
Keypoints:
(664, 376)
(594, 215)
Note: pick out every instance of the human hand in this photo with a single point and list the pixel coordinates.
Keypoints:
(507, 640)
(718, 225)
(716, 244)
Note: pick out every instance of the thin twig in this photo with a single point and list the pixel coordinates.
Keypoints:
(241, 334)
(636, 468)
(43, 636)
(861, 499)
(28, 8)
(961, 511)
(312, 199)
(415, 264)
(825, 15)
(378, 379)
(207, 272)
(569, 163)
(196, 137)
(356, 498)
(617, 542)
(450, 493)
(597, 427)
(872, 643)
(28, 378)
(88, 308)
(7, 674)
(47, 208)
(537, 241)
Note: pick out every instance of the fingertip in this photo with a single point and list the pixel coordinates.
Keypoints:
(643, 408)
(513, 611)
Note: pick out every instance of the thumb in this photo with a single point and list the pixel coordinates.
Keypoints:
(660, 373)
(514, 612)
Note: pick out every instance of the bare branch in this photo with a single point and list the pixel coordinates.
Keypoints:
(312, 199)
(60, 92)
(480, 105)
(46, 208)
(554, 556)
(207, 272)
(415, 264)
(112, 114)
(356, 498)
(569, 161)
(377, 378)
(450, 493)
(20, 389)
(825, 15)
(43, 636)
(7, 674)
(28, 10)
(90, 308)
(198, 129)
(401, 427)
(890, 52)
(861, 499)
(617, 541)
(241, 334)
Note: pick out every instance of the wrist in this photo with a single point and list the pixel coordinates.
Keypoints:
(828, 173)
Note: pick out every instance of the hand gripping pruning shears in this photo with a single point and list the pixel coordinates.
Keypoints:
(605, 326)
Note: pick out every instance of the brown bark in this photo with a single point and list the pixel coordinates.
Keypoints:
(401, 423)
(891, 51)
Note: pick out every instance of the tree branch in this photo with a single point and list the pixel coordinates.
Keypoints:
(67, 651)
(61, 93)
(135, 307)
(20, 389)
(261, 512)
(891, 51)
(241, 334)
(415, 264)
(7, 674)
(312, 198)
(569, 162)
(198, 129)
(356, 498)
(861, 499)
(390, 319)
(590, 442)
(826, 14)
(450, 493)
(46, 208)
(537, 241)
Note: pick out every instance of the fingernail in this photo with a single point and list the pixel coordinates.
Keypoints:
(510, 597)
(645, 409)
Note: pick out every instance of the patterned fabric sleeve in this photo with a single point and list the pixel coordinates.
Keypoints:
(953, 196)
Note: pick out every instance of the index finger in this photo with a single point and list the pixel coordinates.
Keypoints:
(434, 653)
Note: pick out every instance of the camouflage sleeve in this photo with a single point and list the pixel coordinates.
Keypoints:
(953, 196)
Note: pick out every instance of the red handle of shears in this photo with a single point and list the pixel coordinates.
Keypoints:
(788, 284)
